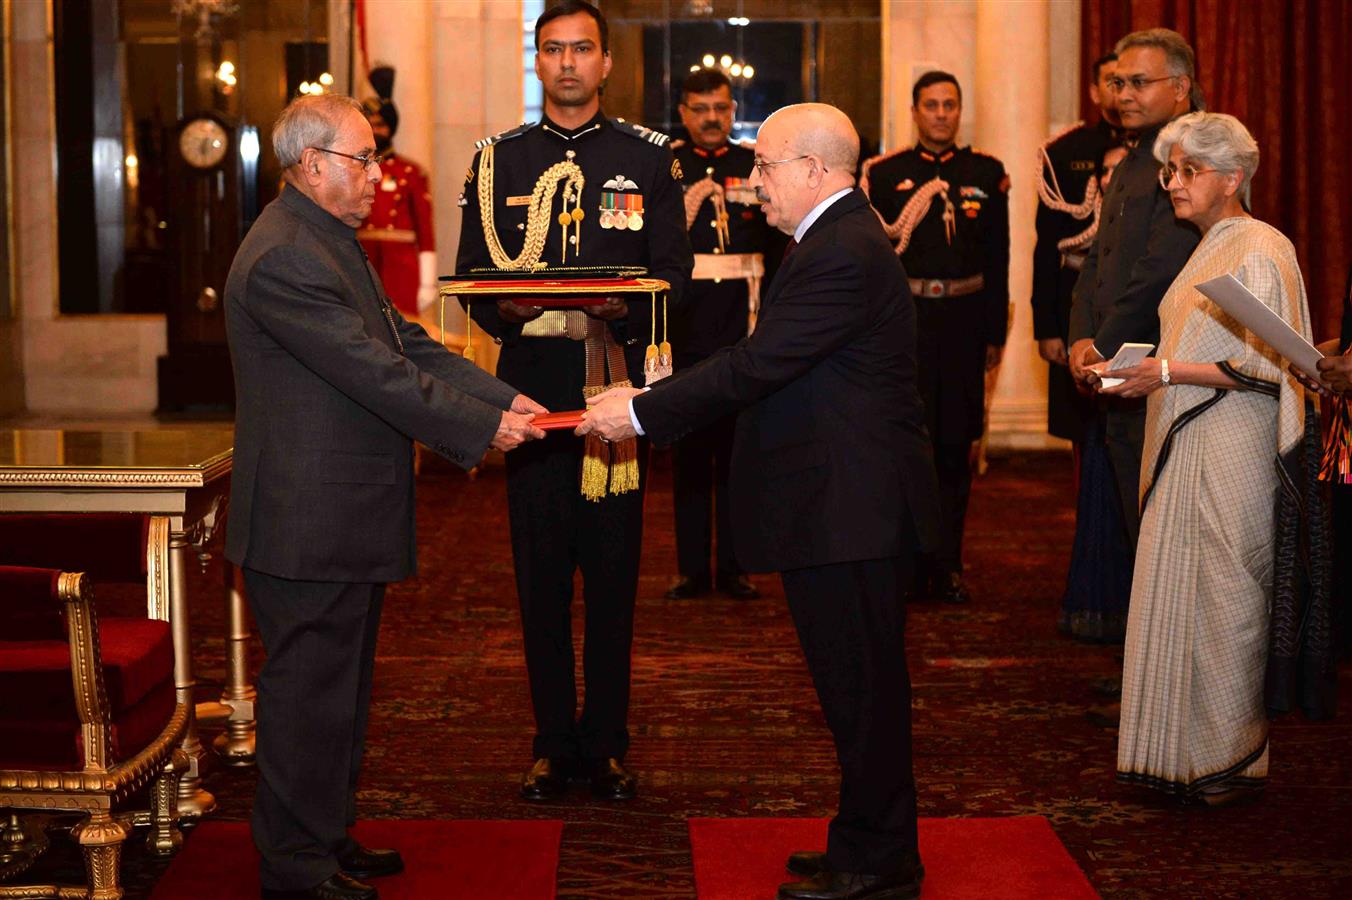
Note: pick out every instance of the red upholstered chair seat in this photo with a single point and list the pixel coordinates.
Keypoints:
(39, 726)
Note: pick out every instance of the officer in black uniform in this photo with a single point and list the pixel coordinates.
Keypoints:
(955, 247)
(727, 219)
(555, 529)
(1066, 212)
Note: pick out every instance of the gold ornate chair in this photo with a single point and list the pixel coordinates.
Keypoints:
(89, 720)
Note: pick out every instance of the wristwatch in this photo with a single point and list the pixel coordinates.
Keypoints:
(1164, 372)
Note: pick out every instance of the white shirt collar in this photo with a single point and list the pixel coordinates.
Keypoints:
(817, 210)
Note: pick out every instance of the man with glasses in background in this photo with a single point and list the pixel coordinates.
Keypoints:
(1140, 246)
(724, 216)
(947, 208)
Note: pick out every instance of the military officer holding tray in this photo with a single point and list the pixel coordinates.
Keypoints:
(947, 207)
(724, 217)
(575, 505)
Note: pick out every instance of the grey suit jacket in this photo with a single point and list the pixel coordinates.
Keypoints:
(327, 404)
(1140, 248)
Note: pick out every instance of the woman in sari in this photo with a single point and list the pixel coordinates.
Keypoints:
(1223, 417)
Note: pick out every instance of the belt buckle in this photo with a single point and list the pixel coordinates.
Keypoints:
(933, 287)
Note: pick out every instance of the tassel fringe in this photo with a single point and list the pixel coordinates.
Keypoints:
(608, 469)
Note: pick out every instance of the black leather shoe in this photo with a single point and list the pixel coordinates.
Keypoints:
(687, 588)
(362, 863)
(610, 780)
(738, 587)
(546, 780)
(806, 863)
(336, 887)
(950, 589)
(827, 885)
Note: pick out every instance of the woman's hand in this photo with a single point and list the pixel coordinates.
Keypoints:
(1137, 381)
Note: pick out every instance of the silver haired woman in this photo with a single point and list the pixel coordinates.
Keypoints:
(1222, 408)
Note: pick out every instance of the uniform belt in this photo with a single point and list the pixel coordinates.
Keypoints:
(1074, 260)
(556, 323)
(938, 287)
(392, 235)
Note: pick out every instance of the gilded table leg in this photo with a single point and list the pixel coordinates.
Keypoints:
(101, 838)
(193, 801)
(164, 838)
(235, 745)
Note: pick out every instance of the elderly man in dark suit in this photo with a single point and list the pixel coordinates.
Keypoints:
(1140, 246)
(332, 385)
(833, 483)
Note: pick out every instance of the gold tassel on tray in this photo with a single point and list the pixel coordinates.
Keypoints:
(657, 359)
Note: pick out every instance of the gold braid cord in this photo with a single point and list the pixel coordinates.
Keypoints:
(538, 217)
(1086, 237)
(915, 210)
(606, 467)
(695, 195)
(1050, 193)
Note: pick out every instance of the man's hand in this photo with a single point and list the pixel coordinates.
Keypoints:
(1082, 355)
(994, 353)
(515, 312)
(514, 430)
(613, 308)
(1335, 373)
(1053, 350)
(608, 415)
(526, 406)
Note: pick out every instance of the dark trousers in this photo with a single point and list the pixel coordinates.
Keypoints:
(851, 621)
(314, 694)
(1124, 427)
(700, 463)
(953, 465)
(555, 532)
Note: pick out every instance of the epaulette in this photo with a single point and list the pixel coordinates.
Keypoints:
(641, 132)
(504, 136)
(1062, 133)
(873, 161)
(975, 152)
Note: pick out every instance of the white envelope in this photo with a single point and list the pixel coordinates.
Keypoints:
(1237, 300)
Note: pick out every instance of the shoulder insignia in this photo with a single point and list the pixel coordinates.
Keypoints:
(1062, 133)
(1004, 185)
(873, 161)
(504, 135)
(469, 174)
(641, 132)
(676, 173)
(677, 144)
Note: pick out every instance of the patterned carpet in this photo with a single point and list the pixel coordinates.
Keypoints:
(725, 722)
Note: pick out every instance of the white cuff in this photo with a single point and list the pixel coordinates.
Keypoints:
(633, 419)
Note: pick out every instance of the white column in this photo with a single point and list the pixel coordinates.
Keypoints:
(1012, 91)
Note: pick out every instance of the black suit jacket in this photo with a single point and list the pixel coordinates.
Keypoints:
(1139, 251)
(322, 486)
(831, 462)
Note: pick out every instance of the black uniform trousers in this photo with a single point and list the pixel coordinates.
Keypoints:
(700, 462)
(1124, 428)
(314, 694)
(851, 621)
(555, 532)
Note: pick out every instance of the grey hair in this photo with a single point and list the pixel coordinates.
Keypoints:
(1179, 58)
(1213, 139)
(308, 122)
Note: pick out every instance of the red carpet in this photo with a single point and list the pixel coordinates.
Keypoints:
(465, 860)
(1010, 858)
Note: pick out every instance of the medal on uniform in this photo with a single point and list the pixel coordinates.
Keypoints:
(620, 211)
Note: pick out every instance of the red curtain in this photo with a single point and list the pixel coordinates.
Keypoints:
(1283, 68)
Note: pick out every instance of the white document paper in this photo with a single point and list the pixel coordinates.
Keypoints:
(1128, 355)
(1237, 300)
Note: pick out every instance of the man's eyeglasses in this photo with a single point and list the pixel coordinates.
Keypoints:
(367, 160)
(761, 164)
(1186, 174)
(1136, 82)
(702, 109)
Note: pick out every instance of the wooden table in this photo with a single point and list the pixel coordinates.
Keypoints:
(182, 480)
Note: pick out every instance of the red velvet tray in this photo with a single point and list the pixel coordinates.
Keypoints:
(558, 421)
(555, 293)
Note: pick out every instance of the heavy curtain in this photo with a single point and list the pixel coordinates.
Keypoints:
(1283, 68)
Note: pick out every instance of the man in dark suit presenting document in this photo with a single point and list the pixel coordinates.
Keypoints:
(332, 385)
(832, 480)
